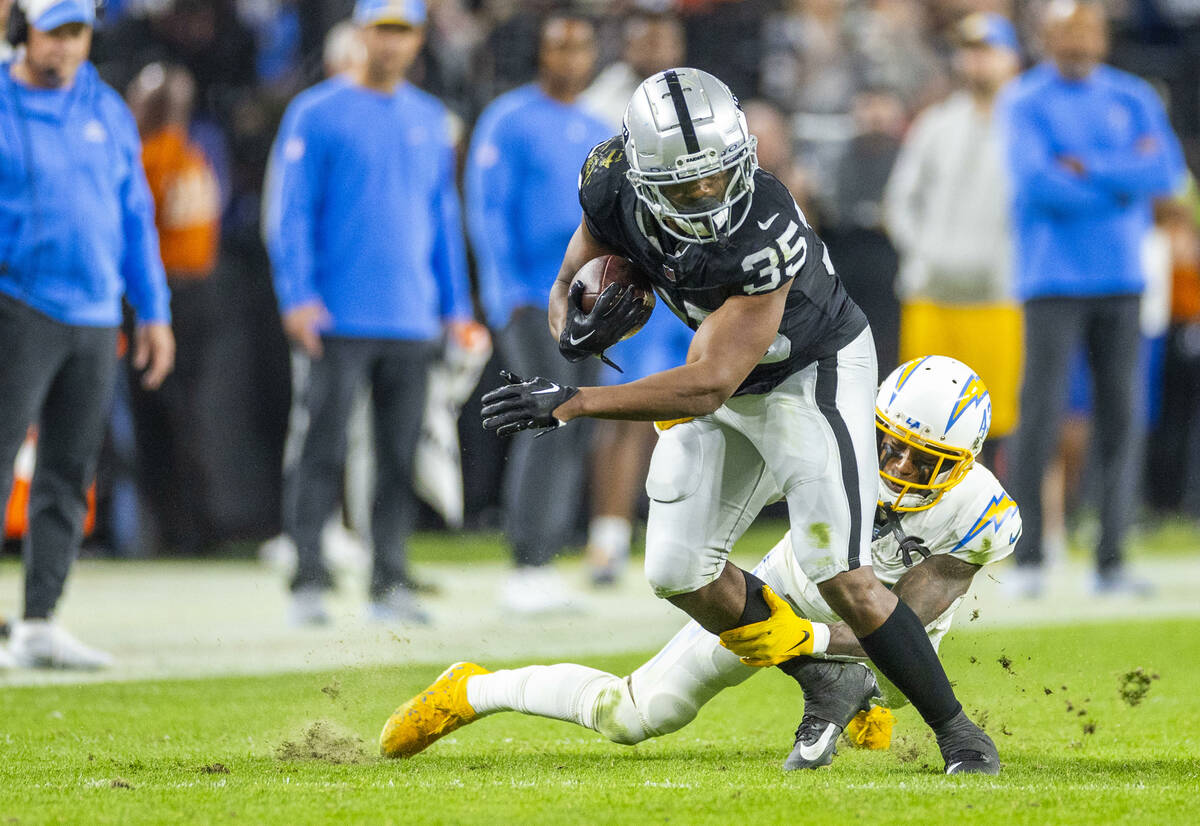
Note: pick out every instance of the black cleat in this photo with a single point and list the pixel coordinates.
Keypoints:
(965, 747)
(834, 692)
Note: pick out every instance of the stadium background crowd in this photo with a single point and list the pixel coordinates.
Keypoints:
(835, 85)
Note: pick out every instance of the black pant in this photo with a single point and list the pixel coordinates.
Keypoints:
(1108, 327)
(1173, 466)
(544, 481)
(59, 377)
(172, 423)
(397, 372)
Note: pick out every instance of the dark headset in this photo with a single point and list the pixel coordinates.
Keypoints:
(18, 24)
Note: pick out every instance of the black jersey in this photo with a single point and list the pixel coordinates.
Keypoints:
(772, 245)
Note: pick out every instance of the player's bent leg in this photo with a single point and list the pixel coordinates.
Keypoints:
(900, 648)
(706, 484)
(438, 710)
(860, 599)
(660, 697)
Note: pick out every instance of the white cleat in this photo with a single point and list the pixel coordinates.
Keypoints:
(537, 591)
(1025, 582)
(44, 644)
(7, 661)
(399, 606)
(308, 608)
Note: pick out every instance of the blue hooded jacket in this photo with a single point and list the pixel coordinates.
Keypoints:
(362, 212)
(76, 215)
(522, 183)
(1080, 234)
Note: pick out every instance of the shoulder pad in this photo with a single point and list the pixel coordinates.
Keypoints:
(600, 182)
(986, 523)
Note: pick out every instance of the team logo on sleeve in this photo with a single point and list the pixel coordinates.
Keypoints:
(998, 511)
(293, 149)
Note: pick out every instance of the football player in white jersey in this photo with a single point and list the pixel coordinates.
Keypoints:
(940, 518)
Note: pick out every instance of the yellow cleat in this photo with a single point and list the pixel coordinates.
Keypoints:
(438, 710)
(871, 729)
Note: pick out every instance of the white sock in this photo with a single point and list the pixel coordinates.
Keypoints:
(612, 535)
(561, 692)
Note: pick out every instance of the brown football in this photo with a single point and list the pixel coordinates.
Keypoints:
(599, 273)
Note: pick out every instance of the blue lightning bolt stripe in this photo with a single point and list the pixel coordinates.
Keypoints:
(997, 512)
(974, 393)
(909, 369)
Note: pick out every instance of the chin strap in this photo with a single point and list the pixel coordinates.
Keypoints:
(888, 521)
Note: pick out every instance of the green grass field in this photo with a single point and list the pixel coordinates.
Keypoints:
(233, 749)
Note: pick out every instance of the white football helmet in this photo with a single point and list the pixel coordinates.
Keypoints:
(681, 126)
(941, 408)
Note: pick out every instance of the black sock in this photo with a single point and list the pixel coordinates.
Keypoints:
(756, 609)
(902, 651)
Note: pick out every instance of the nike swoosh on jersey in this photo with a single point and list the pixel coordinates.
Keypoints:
(818, 748)
(766, 225)
(574, 341)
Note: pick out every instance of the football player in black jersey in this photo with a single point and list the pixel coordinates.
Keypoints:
(776, 398)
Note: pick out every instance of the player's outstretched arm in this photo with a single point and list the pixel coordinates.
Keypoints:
(928, 588)
(724, 350)
(582, 248)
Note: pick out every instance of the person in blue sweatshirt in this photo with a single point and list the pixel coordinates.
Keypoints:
(363, 226)
(1089, 149)
(522, 209)
(76, 235)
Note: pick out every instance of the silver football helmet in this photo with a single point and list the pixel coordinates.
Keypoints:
(691, 157)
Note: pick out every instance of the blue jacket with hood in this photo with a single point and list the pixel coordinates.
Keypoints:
(76, 215)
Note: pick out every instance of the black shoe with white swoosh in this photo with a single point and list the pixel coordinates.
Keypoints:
(965, 747)
(833, 693)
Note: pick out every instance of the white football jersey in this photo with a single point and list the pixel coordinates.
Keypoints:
(976, 521)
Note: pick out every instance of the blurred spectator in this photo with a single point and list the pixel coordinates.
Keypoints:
(811, 71)
(946, 209)
(363, 226)
(508, 54)
(621, 450)
(722, 38)
(1089, 148)
(205, 36)
(343, 49)
(1173, 465)
(893, 39)
(86, 237)
(171, 463)
(652, 43)
(343, 537)
(860, 249)
(767, 123)
(521, 185)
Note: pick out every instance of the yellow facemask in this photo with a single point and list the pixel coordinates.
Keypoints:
(950, 467)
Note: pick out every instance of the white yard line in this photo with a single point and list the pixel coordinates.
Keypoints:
(200, 618)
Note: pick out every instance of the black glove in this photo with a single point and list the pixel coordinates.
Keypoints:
(617, 310)
(522, 404)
